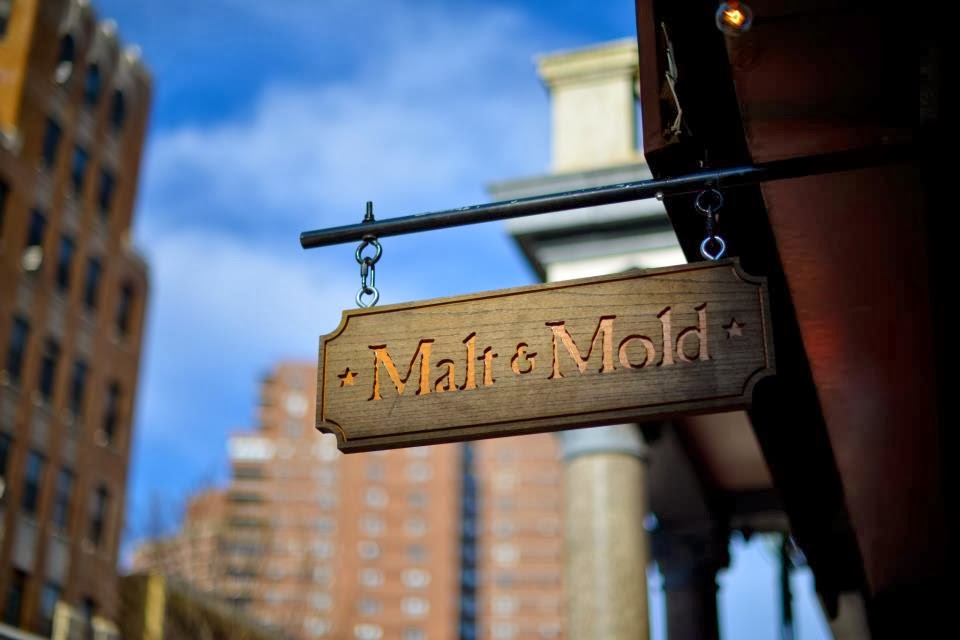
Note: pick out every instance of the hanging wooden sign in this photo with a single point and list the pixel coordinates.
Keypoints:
(636, 346)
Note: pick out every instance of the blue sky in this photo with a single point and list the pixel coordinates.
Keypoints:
(271, 118)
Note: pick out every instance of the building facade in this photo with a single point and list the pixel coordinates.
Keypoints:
(73, 112)
(520, 545)
(325, 545)
(192, 555)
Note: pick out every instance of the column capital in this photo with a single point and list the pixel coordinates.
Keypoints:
(618, 438)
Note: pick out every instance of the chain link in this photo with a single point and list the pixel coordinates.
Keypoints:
(708, 202)
(368, 272)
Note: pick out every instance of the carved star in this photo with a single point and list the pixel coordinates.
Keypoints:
(346, 378)
(734, 329)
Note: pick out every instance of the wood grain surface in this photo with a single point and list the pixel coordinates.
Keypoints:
(636, 346)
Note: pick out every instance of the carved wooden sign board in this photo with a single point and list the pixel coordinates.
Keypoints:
(636, 346)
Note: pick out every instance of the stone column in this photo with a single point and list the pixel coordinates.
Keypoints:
(606, 545)
(689, 562)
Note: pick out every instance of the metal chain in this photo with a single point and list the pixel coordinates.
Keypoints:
(708, 202)
(368, 265)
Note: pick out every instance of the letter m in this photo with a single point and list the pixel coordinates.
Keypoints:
(605, 327)
(382, 356)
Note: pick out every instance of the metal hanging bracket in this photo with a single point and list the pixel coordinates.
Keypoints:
(368, 264)
(594, 196)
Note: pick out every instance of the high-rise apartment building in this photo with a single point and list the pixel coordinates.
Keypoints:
(520, 544)
(361, 546)
(73, 111)
(192, 555)
(449, 541)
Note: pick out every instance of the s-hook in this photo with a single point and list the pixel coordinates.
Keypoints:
(708, 202)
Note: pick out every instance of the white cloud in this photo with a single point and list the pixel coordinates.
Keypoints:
(441, 103)
(438, 111)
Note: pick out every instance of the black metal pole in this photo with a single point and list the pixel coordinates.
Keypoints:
(786, 595)
(608, 194)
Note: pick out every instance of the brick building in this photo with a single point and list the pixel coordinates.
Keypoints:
(193, 554)
(427, 542)
(73, 112)
(326, 545)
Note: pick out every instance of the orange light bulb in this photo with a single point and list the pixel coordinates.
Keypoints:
(734, 17)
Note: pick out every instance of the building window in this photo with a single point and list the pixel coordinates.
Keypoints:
(51, 143)
(322, 575)
(417, 499)
(4, 192)
(124, 309)
(505, 554)
(91, 87)
(99, 508)
(468, 607)
(244, 497)
(5, 442)
(416, 553)
(370, 577)
(415, 607)
(48, 369)
(105, 193)
(118, 110)
(88, 609)
(415, 526)
(65, 262)
(325, 525)
(68, 50)
(367, 631)
(38, 224)
(327, 500)
(91, 285)
(5, 6)
(502, 631)
(48, 605)
(322, 548)
(78, 387)
(369, 606)
(248, 473)
(61, 499)
(111, 412)
(321, 601)
(414, 633)
(504, 605)
(316, 627)
(376, 497)
(469, 578)
(418, 472)
(325, 476)
(372, 525)
(415, 578)
(19, 334)
(79, 169)
(368, 550)
(14, 604)
(502, 528)
(32, 477)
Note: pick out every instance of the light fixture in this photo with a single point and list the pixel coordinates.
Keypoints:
(734, 17)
